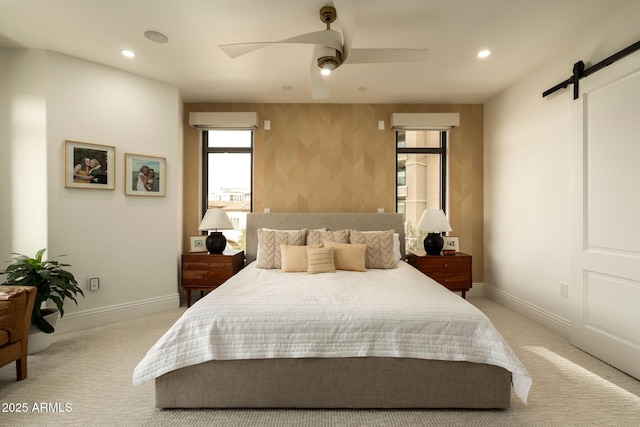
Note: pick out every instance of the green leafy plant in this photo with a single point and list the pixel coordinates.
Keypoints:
(51, 281)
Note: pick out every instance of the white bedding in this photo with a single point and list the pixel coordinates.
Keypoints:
(261, 314)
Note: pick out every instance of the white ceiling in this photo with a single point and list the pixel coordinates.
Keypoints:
(522, 35)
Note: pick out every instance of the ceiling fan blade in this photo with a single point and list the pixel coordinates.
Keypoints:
(329, 38)
(373, 56)
(238, 49)
(347, 13)
(318, 87)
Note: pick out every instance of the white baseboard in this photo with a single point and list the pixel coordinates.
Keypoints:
(476, 290)
(105, 315)
(558, 324)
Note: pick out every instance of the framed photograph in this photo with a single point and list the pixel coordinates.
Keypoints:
(89, 166)
(144, 175)
(198, 244)
(451, 245)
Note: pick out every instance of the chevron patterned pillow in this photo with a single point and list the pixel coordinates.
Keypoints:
(379, 253)
(269, 241)
(316, 237)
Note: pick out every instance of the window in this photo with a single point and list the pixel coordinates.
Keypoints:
(227, 180)
(420, 178)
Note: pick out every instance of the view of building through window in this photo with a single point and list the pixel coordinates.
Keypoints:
(420, 179)
(227, 183)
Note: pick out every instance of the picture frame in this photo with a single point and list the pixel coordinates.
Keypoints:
(198, 244)
(451, 245)
(144, 175)
(89, 166)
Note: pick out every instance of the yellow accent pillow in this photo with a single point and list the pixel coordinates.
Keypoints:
(349, 257)
(294, 258)
(320, 260)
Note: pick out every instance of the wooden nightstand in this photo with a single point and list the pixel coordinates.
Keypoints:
(451, 271)
(204, 272)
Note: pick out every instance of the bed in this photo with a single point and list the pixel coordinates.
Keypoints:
(379, 338)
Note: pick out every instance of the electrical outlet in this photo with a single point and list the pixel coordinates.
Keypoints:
(564, 290)
(94, 283)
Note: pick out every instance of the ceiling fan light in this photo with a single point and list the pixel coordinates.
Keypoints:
(328, 64)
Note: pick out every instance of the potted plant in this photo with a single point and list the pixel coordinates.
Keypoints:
(51, 281)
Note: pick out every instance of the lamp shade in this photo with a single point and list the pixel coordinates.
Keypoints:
(215, 219)
(434, 221)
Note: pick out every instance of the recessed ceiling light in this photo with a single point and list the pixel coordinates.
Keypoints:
(362, 88)
(484, 53)
(287, 87)
(156, 36)
(128, 53)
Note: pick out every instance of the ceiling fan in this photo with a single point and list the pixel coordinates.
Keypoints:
(333, 49)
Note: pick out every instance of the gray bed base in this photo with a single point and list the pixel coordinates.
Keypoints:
(333, 383)
(354, 383)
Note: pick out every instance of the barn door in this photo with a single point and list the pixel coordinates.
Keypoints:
(605, 281)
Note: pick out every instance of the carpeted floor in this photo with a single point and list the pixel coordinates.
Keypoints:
(84, 379)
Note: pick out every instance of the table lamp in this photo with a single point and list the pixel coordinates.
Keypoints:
(215, 219)
(433, 222)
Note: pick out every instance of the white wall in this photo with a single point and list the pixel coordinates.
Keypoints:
(527, 179)
(131, 243)
(22, 152)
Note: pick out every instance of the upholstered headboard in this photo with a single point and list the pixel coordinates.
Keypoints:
(332, 221)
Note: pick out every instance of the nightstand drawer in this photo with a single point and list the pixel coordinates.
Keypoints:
(208, 262)
(451, 279)
(191, 277)
(444, 264)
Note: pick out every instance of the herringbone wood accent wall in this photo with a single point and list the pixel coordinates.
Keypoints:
(333, 158)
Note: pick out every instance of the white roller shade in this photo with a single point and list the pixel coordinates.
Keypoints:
(424, 121)
(223, 120)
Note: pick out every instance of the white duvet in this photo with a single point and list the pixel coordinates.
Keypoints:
(261, 314)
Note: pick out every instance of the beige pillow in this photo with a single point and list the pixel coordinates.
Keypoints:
(320, 260)
(348, 256)
(379, 252)
(294, 258)
(269, 241)
(316, 237)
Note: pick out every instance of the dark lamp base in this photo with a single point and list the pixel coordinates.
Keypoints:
(216, 242)
(433, 244)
